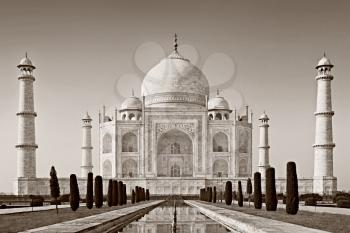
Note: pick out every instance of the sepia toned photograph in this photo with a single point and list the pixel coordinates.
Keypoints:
(179, 116)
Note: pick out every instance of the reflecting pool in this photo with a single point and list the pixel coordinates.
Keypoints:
(161, 220)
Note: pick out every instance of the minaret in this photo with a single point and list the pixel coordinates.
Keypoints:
(324, 182)
(26, 147)
(86, 149)
(264, 145)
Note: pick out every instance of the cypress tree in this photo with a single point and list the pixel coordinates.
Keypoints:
(292, 202)
(125, 200)
(90, 191)
(249, 189)
(110, 193)
(257, 191)
(74, 196)
(228, 193)
(147, 194)
(115, 193)
(98, 192)
(214, 194)
(133, 197)
(270, 196)
(120, 193)
(54, 186)
(210, 194)
(240, 194)
(137, 194)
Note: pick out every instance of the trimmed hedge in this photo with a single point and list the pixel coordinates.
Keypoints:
(90, 191)
(271, 197)
(343, 203)
(110, 193)
(228, 193)
(74, 197)
(240, 194)
(214, 194)
(257, 191)
(98, 192)
(292, 202)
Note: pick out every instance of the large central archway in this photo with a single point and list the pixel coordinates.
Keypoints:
(174, 154)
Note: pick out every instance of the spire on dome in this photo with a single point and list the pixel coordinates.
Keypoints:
(175, 42)
(175, 54)
(132, 92)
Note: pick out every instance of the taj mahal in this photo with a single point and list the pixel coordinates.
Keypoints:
(175, 138)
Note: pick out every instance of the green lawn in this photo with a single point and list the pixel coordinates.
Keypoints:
(322, 221)
(29, 220)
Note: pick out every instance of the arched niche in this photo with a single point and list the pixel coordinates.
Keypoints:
(107, 168)
(220, 168)
(220, 142)
(129, 142)
(129, 168)
(107, 143)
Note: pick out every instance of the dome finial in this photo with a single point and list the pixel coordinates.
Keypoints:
(217, 92)
(132, 92)
(175, 42)
(26, 55)
(324, 54)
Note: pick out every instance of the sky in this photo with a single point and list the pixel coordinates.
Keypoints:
(93, 53)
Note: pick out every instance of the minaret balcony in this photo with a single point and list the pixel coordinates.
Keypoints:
(324, 77)
(26, 77)
(331, 113)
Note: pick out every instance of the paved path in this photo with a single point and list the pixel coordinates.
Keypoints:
(29, 209)
(241, 222)
(318, 209)
(96, 223)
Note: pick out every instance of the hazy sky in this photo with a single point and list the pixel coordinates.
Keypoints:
(268, 49)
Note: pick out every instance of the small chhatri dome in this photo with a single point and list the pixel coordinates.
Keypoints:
(26, 62)
(324, 61)
(264, 117)
(131, 103)
(218, 103)
(175, 74)
(86, 116)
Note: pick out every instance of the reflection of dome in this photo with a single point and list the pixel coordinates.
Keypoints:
(177, 75)
(218, 103)
(26, 62)
(131, 103)
(324, 61)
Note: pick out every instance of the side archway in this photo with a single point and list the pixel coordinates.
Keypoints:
(107, 143)
(107, 168)
(220, 142)
(129, 168)
(129, 142)
(220, 168)
(243, 167)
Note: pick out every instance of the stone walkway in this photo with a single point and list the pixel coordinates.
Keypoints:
(29, 209)
(319, 209)
(241, 222)
(95, 223)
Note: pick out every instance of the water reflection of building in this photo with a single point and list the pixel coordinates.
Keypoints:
(189, 220)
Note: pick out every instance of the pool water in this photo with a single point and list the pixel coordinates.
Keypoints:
(161, 220)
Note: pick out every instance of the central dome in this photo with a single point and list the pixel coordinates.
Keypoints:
(174, 76)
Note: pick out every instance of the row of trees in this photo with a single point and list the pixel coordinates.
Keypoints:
(91, 196)
(292, 201)
(116, 192)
